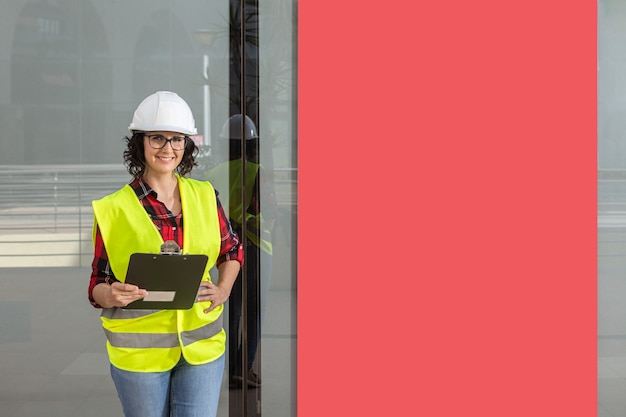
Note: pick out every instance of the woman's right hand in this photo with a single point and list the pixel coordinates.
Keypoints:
(123, 294)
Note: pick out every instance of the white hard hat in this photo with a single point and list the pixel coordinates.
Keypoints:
(231, 129)
(164, 110)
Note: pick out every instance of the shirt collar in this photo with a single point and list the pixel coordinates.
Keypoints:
(141, 188)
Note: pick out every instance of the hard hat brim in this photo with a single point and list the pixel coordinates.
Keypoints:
(163, 128)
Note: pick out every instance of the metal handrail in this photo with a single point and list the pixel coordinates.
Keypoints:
(59, 197)
(46, 217)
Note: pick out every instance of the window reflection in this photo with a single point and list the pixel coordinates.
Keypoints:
(73, 74)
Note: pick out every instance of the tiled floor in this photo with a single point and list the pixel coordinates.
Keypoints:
(612, 319)
(52, 355)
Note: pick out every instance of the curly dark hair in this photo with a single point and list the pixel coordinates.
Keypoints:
(135, 160)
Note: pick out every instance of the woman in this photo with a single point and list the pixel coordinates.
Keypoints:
(163, 362)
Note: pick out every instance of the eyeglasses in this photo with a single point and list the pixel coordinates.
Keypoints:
(159, 141)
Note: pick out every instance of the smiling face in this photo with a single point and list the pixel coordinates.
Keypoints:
(166, 159)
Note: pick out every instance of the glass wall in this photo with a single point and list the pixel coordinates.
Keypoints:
(611, 208)
(71, 74)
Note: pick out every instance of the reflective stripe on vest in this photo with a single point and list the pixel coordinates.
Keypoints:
(164, 340)
(120, 313)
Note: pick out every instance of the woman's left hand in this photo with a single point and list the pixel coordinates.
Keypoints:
(213, 293)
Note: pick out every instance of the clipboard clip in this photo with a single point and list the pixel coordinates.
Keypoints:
(170, 248)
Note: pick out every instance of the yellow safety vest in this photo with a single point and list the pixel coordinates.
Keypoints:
(227, 176)
(153, 340)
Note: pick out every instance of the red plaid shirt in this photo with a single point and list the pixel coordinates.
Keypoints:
(171, 228)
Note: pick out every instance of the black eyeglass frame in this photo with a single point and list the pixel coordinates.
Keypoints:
(186, 139)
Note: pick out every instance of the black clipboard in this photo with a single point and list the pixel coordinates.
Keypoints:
(172, 281)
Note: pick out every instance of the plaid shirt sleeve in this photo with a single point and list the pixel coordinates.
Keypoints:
(100, 270)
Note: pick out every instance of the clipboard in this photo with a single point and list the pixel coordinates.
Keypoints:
(172, 280)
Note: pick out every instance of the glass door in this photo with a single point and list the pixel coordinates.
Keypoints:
(74, 71)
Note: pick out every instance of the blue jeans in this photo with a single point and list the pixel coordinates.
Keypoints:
(184, 391)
